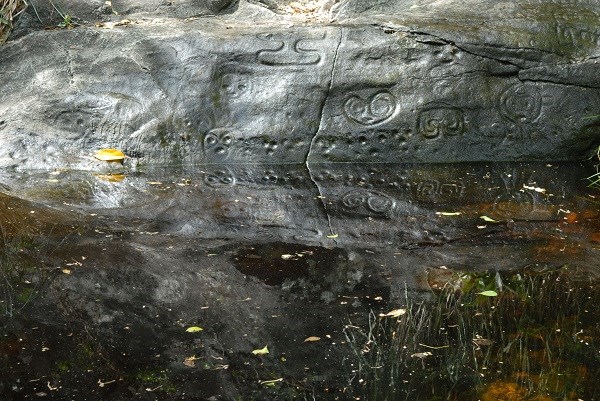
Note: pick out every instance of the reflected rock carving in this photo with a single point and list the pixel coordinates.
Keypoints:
(371, 111)
(363, 203)
(435, 122)
(290, 52)
(521, 104)
(434, 190)
(220, 178)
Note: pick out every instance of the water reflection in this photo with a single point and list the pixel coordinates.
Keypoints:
(103, 273)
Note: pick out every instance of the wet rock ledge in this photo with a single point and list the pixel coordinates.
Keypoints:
(275, 81)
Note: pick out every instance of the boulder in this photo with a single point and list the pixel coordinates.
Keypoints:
(301, 82)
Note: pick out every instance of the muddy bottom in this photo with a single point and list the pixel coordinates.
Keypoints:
(342, 282)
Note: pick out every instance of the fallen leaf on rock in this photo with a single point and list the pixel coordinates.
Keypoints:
(312, 339)
(393, 313)
(488, 219)
(194, 329)
(110, 155)
(263, 351)
(332, 236)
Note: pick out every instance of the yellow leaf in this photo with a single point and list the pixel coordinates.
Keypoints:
(271, 383)
(332, 236)
(312, 339)
(110, 155)
(488, 219)
(394, 313)
(263, 351)
(194, 329)
(190, 361)
(448, 213)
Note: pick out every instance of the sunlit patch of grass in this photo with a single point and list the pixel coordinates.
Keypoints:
(538, 338)
(9, 10)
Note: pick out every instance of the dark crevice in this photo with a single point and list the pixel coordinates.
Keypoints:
(550, 81)
(440, 41)
(450, 42)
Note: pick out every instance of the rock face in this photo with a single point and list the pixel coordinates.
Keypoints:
(277, 82)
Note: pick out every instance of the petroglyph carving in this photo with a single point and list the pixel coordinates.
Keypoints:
(234, 85)
(376, 109)
(521, 103)
(438, 121)
(291, 51)
(219, 141)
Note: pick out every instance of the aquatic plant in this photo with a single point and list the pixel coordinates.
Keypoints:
(20, 276)
(537, 339)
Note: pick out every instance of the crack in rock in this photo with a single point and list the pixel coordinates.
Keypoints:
(313, 139)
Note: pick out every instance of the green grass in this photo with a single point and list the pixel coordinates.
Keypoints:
(595, 178)
(539, 338)
(9, 10)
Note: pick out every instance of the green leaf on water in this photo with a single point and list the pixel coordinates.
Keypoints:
(488, 293)
(194, 329)
(262, 351)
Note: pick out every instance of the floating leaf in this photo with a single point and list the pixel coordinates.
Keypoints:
(271, 383)
(536, 189)
(263, 351)
(488, 219)
(110, 155)
(312, 339)
(482, 341)
(448, 213)
(488, 293)
(194, 329)
(394, 313)
(190, 361)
